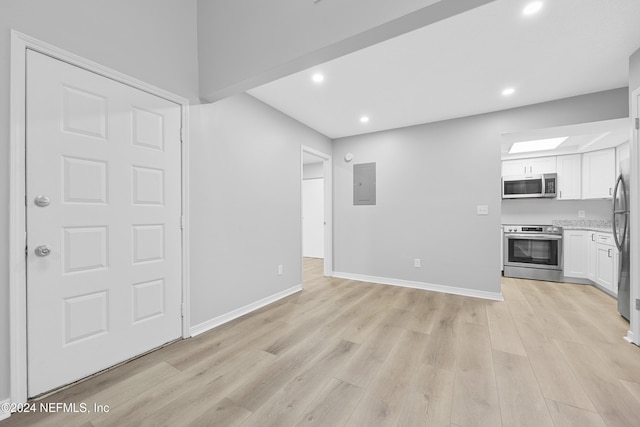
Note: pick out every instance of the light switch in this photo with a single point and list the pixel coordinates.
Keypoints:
(483, 210)
(581, 214)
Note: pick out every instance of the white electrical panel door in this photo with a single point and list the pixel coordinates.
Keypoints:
(103, 222)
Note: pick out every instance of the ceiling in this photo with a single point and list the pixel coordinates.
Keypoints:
(459, 67)
(581, 138)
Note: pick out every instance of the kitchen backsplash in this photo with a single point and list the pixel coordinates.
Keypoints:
(583, 224)
(545, 211)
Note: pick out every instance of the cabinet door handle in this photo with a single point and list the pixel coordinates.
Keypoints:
(609, 252)
(593, 237)
(610, 191)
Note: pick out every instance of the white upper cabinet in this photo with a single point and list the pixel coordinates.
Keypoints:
(623, 156)
(598, 174)
(542, 165)
(569, 177)
(536, 165)
(514, 167)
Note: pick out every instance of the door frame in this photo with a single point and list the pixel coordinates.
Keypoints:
(633, 335)
(20, 43)
(328, 206)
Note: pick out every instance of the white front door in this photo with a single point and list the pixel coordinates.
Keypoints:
(103, 222)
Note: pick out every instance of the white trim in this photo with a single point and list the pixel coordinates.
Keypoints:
(17, 226)
(328, 205)
(220, 320)
(494, 296)
(634, 212)
(186, 260)
(4, 414)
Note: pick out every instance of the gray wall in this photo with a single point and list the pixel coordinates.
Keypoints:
(246, 43)
(429, 180)
(245, 204)
(152, 40)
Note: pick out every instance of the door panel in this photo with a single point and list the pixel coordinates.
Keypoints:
(108, 158)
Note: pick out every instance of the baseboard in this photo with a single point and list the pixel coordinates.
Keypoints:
(629, 338)
(494, 296)
(4, 404)
(217, 321)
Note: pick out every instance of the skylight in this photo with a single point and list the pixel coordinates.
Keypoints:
(536, 145)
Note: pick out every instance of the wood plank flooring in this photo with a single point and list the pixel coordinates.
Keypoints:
(348, 353)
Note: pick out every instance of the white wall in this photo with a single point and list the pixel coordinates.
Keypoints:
(246, 43)
(152, 40)
(245, 205)
(430, 178)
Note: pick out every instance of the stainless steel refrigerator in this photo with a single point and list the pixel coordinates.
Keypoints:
(621, 237)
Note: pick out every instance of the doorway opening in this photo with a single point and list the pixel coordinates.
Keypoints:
(316, 215)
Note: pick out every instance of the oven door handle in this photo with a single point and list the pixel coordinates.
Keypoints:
(533, 236)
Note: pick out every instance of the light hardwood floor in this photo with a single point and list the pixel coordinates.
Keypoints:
(348, 353)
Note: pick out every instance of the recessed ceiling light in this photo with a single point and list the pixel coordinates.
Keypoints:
(317, 78)
(508, 91)
(536, 145)
(532, 8)
(364, 119)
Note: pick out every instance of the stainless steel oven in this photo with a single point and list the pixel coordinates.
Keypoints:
(533, 252)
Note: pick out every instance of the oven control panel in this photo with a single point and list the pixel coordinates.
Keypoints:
(532, 229)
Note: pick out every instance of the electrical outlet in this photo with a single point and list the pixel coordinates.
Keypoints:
(483, 210)
(581, 214)
(280, 270)
(417, 263)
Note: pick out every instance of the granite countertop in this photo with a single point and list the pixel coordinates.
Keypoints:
(603, 226)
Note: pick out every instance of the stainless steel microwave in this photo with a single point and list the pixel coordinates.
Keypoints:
(529, 186)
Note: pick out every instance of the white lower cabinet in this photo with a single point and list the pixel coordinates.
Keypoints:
(575, 254)
(606, 260)
(591, 255)
(591, 243)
